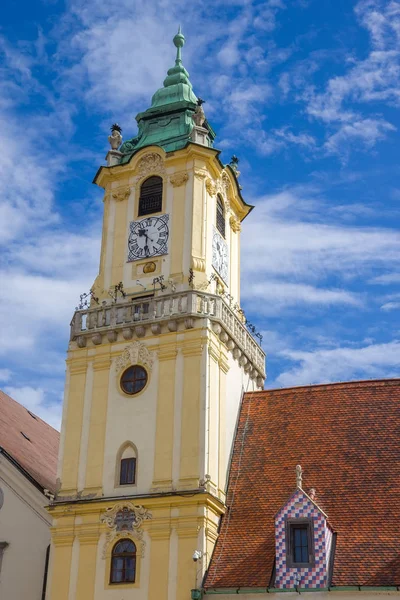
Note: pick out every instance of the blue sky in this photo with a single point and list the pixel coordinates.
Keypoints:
(305, 92)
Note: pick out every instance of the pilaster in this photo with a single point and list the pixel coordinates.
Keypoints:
(98, 421)
(194, 378)
(159, 562)
(88, 535)
(164, 439)
(73, 425)
(62, 541)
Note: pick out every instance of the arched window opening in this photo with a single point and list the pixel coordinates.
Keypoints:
(150, 200)
(127, 465)
(123, 562)
(220, 216)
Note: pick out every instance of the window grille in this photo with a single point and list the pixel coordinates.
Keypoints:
(150, 200)
(220, 216)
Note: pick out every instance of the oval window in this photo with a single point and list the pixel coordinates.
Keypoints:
(133, 380)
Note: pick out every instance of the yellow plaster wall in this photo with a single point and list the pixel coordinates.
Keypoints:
(199, 209)
(177, 230)
(87, 567)
(61, 567)
(159, 564)
(120, 249)
(164, 441)
(192, 521)
(212, 426)
(190, 427)
(61, 549)
(73, 424)
(99, 283)
(187, 568)
(98, 422)
(222, 454)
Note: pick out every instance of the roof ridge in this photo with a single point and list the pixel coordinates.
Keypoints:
(355, 383)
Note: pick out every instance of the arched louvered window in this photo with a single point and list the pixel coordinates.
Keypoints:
(123, 562)
(220, 216)
(150, 200)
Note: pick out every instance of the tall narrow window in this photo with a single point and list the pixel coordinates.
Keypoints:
(126, 465)
(123, 562)
(150, 200)
(300, 542)
(128, 471)
(220, 216)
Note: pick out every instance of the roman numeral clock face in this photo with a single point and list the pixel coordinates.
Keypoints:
(220, 258)
(148, 237)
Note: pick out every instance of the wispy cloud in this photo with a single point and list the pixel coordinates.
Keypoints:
(341, 364)
(367, 81)
(288, 235)
(390, 306)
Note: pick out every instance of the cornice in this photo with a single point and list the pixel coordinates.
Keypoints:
(151, 502)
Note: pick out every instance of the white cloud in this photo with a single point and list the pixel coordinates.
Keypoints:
(372, 80)
(365, 132)
(34, 399)
(386, 278)
(388, 306)
(286, 236)
(341, 364)
(270, 296)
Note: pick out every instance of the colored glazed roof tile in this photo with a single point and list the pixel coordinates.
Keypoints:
(346, 437)
(31, 442)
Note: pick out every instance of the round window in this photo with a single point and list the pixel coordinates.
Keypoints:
(133, 380)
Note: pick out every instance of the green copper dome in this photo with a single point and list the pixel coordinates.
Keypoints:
(169, 121)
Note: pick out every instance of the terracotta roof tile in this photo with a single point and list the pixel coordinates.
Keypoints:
(38, 454)
(347, 439)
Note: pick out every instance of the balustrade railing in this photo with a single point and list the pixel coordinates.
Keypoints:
(192, 303)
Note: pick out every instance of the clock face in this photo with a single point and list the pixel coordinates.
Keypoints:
(148, 237)
(220, 259)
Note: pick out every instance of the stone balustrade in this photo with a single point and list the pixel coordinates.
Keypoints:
(145, 315)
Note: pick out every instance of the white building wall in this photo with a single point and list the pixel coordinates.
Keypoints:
(25, 526)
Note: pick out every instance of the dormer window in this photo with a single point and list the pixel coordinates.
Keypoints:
(220, 216)
(150, 200)
(299, 543)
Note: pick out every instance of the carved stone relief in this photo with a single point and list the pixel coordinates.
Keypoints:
(178, 179)
(235, 224)
(137, 352)
(149, 164)
(125, 520)
(211, 187)
(121, 194)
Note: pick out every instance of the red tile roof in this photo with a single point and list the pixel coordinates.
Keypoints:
(36, 455)
(346, 437)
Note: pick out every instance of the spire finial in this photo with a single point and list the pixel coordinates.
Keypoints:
(299, 476)
(179, 41)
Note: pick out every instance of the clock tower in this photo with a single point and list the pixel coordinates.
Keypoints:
(158, 360)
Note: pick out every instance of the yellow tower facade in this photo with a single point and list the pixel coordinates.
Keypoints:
(157, 365)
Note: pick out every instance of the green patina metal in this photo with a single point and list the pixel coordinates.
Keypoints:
(169, 121)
